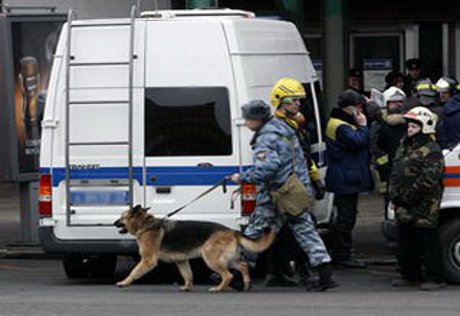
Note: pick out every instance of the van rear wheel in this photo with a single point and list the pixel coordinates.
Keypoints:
(450, 240)
(84, 266)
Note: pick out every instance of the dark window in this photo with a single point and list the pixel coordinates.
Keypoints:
(308, 111)
(187, 122)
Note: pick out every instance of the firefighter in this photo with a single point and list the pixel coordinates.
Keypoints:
(450, 129)
(285, 248)
(416, 191)
(446, 87)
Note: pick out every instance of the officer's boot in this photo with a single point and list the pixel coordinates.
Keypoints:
(325, 281)
(306, 278)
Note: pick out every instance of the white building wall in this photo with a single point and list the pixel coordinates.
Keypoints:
(90, 9)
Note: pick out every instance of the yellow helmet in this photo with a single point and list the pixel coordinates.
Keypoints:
(287, 88)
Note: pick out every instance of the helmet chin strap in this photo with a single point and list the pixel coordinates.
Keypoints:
(289, 113)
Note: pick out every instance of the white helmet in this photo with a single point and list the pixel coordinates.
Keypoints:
(423, 116)
(393, 94)
(446, 84)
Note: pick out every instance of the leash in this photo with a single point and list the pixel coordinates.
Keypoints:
(201, 195)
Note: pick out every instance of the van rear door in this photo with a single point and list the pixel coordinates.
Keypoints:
(190, 142)
(98, 125)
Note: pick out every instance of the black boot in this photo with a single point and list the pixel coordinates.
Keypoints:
(351, 262)
(325, 281)
(306, 278)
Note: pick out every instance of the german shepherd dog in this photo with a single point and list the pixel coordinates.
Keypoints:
(179, 241)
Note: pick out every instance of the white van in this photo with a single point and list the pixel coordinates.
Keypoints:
(148, 111)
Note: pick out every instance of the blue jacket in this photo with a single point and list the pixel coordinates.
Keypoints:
(347, 155)
(451, 122)
(272, 146)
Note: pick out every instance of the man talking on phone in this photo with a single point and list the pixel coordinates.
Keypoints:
(348, 173)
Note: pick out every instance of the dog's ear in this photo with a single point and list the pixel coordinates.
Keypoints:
(145, 209)
(136, 209)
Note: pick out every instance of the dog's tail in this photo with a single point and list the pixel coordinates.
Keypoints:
(259, 245)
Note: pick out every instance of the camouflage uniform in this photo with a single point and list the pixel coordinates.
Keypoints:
(416, 181)
(416, 190)
(272, 166)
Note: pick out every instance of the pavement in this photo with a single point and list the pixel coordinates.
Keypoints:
(39, 287)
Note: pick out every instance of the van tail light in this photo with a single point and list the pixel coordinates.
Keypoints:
(44, 196)
(248, 199)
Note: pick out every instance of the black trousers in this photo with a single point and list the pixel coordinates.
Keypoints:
(283, 250)
(418, 248)
(342, 228)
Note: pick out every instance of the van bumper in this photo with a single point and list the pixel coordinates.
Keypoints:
(53, 245)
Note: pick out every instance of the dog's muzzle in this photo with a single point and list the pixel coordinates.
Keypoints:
(119, 224)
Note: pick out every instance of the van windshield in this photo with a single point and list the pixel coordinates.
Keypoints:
(187, 121)
(308, 111)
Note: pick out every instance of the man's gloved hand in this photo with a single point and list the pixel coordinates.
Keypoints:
(320, 190)
(236, 177)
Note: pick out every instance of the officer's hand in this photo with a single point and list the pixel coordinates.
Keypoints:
(360, 119)
(236, 178)
(320, 190)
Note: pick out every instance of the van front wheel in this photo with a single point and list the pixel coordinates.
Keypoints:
(84, 266)
(450, 240)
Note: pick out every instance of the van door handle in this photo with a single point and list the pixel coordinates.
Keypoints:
(163, 190)
(205, 165)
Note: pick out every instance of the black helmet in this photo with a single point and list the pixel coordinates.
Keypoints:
(256, 110)
(413, 63)
(349, 97)
(355, 72)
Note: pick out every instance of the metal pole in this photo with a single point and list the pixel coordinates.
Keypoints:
(130, 96)
(334, 47)
(67, 116)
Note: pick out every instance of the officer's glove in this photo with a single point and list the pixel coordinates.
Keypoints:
(320, 190)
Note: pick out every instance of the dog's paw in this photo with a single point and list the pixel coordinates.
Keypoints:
(122, 284)
(215, 289)
(248, 287)
(185, 289)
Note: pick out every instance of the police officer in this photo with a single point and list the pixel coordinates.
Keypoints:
(416, 191)
(355, 80)
(348, 171)
(414, 74)
(272, 145)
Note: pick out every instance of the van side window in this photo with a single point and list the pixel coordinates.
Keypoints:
(308, 111)
(187, 121)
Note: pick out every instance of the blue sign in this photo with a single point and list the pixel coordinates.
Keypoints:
(317, 64)
(377, 64)
(94, 198)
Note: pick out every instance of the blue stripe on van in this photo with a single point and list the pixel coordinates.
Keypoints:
(163, 175)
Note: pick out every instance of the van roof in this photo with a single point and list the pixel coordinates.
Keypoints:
(163, 15)
(197, 13)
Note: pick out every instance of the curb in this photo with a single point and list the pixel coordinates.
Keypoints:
(25, 253)
(386, 261)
